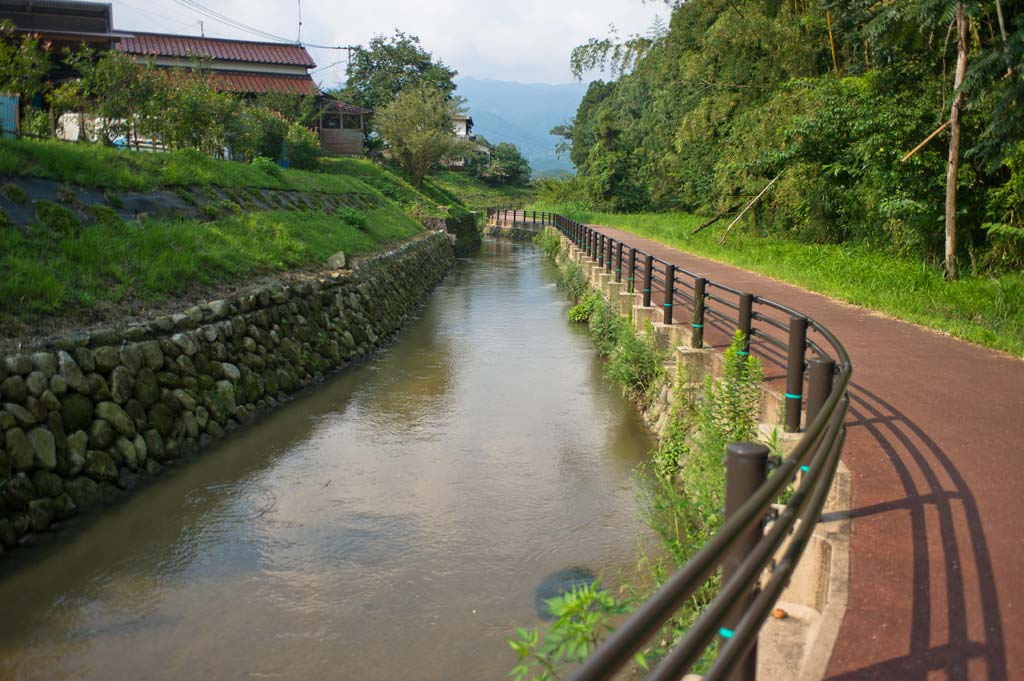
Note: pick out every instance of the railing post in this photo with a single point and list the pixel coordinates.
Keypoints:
(618, 262)
(697, 326)
(821, 373)
(600, 250)
(795, 372)
(746, 316)
(631, 277)
(648, 267)
(746, 467)
(670, 292)
(609, 247)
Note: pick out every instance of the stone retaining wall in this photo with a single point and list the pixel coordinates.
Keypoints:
(85, 420)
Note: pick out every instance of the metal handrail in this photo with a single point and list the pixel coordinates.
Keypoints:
(815, 456)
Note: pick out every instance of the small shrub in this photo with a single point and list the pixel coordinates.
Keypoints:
(268, 165)
(303, 147)
(353, 218)
(66, 195)
(14, 193)
(210, 211)
(105, 215)
(113, 200)
(573, 280)
(5, 220)
(549, 240)
(57, 218)
(637, 363)
(582, 311)
(606, 327)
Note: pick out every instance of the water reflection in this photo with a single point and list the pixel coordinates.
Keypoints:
(394, 523)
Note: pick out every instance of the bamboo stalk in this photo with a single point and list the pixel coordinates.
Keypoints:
(832, 42)
(927, 139)
(746, 208)
(712, 221)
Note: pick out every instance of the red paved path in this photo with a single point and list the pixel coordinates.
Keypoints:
(936, 452)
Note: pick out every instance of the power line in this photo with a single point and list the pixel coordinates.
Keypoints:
(252, 30)
(228, 21)
(176, 22)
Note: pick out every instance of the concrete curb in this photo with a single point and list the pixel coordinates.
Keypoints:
(816, 600)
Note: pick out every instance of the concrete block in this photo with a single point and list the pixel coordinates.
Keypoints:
(773, 406)
(816, 599)
(786, 441)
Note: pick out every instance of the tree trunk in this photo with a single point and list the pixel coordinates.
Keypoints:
(954, 141)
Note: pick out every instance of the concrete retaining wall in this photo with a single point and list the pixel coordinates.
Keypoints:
(85, 420)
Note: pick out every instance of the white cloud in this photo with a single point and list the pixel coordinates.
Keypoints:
(526, 41)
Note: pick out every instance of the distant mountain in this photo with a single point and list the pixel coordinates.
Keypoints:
(523, 114)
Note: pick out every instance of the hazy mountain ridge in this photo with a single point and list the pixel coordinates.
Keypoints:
(523, 114)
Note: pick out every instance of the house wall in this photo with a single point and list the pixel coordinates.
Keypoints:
(341, 142)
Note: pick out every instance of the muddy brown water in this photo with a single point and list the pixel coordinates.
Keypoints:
(393, 523)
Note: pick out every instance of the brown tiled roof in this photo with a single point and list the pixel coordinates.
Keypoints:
(342, 107)
(238, 81)
(167, 45)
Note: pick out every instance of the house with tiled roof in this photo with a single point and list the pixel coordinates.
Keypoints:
(253, 68)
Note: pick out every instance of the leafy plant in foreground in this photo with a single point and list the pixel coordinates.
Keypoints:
(582, 619)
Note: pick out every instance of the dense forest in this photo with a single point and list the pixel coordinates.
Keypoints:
(829, 99)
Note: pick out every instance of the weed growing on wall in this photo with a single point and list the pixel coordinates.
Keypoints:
(550, 241)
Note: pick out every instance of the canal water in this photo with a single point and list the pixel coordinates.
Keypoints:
(393, 523)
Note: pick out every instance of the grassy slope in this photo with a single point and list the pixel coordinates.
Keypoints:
(111, 264)
(107, 168)
(985, 310)
(441, 188)
(475, 194)
(106, 265)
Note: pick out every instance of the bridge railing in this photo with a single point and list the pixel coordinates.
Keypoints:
(512, 216)
(761, 541)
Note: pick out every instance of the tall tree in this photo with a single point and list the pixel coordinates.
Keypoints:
(417, 126)
(954, 139)
(378, 73)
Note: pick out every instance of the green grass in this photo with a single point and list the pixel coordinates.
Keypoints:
(476, 194)
(46, 274)
(91, 165)
(985, 310)
(391, 183)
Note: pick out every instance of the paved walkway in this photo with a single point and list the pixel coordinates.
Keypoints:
(936, 452)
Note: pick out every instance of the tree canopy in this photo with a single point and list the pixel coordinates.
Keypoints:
(832, 97)
(417, 126)
(388, 66)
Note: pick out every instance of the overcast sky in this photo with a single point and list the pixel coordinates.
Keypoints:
(526, 40)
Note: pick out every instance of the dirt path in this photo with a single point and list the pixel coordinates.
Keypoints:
(936, 451)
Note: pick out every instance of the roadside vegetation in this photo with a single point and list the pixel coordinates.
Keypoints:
(683, 484)
(866, 151)
(984, 309)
